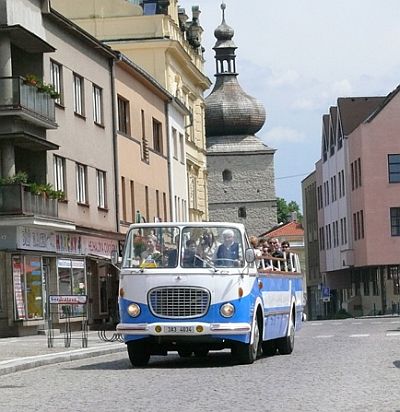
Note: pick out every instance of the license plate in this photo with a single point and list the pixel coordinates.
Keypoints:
(179, 329)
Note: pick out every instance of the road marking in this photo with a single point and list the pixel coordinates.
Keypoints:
(324, 336)
(376, 322)
(316, 324)
(356, 323)
(395, 321)
(337, 323)
(393, 334)
(360, 335)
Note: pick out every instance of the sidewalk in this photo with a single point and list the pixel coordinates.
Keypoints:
(20, 353)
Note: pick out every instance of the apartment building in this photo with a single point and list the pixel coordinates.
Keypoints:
(357, 204)
(159, 37)
(151, 154)
(57, 199)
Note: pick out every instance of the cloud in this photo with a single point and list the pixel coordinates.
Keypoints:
(342, 88)
(282, 134)
(304, 103)
(287, 78)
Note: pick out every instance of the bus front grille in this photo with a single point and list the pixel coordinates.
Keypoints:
(179, 303)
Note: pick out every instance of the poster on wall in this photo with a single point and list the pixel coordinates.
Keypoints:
(18, 290)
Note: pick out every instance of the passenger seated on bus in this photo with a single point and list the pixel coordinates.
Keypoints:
(275, 247)
(266, 263)
(228, 252)
(207, 245)
(254, 243)
(190, 257)
(151, 257)
(289, 256)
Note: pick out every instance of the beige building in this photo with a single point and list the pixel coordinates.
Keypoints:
(162, 41)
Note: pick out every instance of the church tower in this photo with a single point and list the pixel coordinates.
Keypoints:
(240, 166)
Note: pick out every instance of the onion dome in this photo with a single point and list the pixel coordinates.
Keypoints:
(229, 110)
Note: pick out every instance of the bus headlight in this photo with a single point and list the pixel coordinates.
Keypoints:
(227, 310)
(134, 310)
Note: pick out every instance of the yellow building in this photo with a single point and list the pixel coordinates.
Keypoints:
(158, 37)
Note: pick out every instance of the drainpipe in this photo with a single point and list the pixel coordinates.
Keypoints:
(171, 185)
(115, 142)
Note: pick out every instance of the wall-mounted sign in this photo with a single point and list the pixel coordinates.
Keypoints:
(36, 239)
(68, 299)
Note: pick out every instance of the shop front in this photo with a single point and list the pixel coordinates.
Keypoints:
(36, 263)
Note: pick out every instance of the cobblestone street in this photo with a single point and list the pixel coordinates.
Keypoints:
(344, 365)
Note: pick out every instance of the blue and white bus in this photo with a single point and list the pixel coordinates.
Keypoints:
(195, 287)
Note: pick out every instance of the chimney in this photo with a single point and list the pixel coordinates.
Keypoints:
(293, 216)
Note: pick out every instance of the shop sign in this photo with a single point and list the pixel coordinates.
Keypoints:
(99, 246)
(68, 299)
(69, 243)
(36, 239)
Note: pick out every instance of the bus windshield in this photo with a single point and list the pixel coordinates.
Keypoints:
(190, 247)
(152, 247)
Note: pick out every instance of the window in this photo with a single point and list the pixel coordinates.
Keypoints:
(358, 162)
(394, 168)
(133, 205)
(97, 105)
(242, 213)
(145, 144)
(81, 184)
(123, 116)
(28, 287)
(175, 143)
(395, 221)
(123, 198)
(182, 147)
(352, 176)
(56, 79)
(321, 238)
(59, 173)
(226, 175)
(101, 189)
(157, 137)
(79, 107)
(146, 198)
(72, 280)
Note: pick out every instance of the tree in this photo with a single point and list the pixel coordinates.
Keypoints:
(285, 210)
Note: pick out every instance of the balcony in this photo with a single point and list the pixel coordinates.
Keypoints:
(26, 101)
(15, 199)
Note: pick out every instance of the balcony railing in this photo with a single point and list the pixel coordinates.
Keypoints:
(16, 200)
(16, 95)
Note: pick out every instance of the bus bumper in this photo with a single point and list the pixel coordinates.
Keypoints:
(183, 328)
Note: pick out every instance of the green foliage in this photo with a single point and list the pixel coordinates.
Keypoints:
(20, 177)
(42, 87)
(285, 209)
(33, 187)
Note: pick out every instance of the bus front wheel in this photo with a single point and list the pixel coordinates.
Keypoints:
(138, 354)
(247, 353)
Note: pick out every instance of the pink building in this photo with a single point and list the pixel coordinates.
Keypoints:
(358, 205)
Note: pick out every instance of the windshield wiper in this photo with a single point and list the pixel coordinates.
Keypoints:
(209, 264)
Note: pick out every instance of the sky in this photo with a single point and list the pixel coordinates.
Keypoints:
(297, 57)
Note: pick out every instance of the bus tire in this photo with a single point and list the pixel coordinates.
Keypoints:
(269, 347)
(185, 353)
(201, 353)
(138, 354)
(247, 353)
(286, 345)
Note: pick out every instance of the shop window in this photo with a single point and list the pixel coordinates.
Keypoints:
(71, 280)
(28, 287)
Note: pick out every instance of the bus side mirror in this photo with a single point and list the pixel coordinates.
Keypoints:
(115, 259)
(249, 255)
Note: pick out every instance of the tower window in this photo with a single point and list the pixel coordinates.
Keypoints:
(226, 175)
(242, 212)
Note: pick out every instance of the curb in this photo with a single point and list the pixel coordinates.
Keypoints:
(16, 365)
